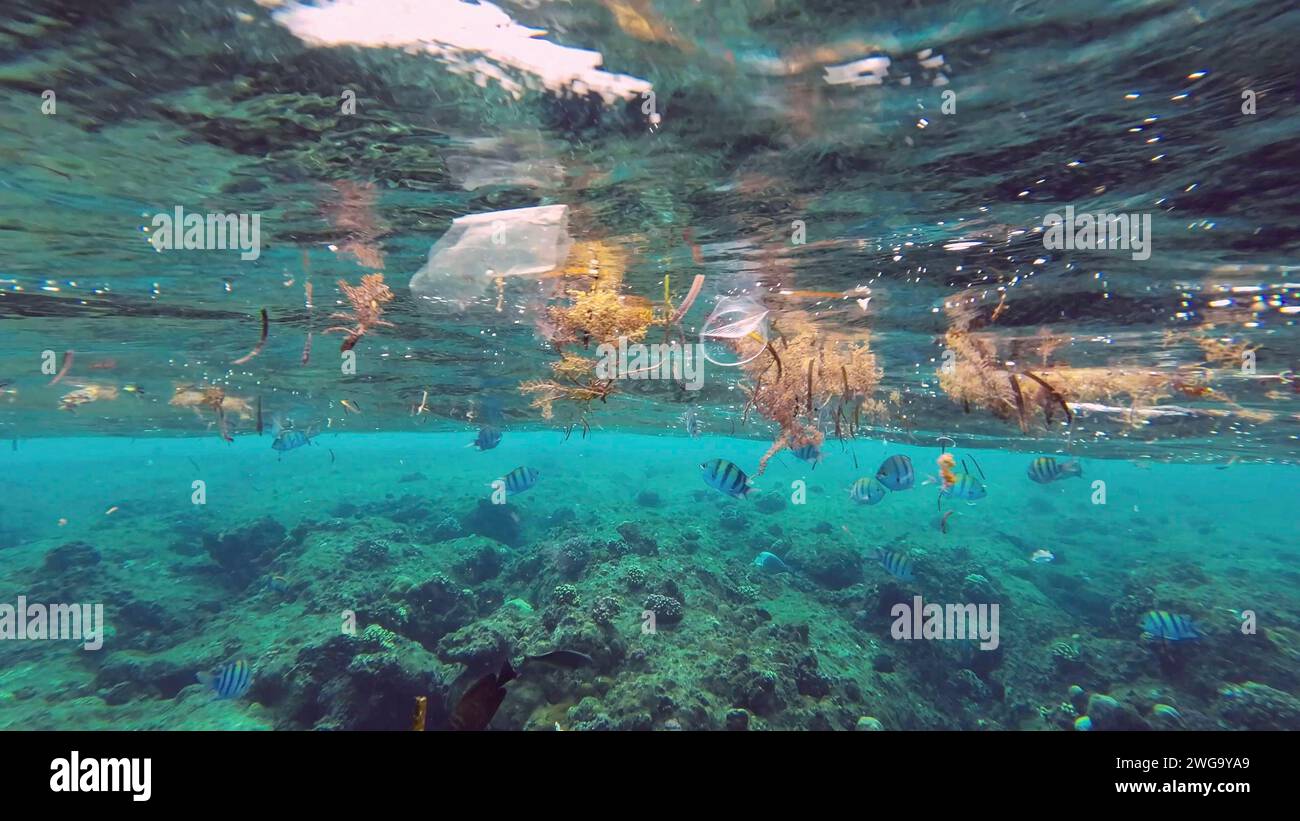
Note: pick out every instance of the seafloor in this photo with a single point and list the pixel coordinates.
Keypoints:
(398, 528)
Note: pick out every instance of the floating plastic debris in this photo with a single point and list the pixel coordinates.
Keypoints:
(482, 249)
(736, 331)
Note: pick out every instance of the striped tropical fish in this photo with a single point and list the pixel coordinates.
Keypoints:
(488, 438)
(1045, 469)
(1162, 624)
(808, 453)
(896, 563)
(291, 439)
(521, 479)
(722, 475)
(966, 487)
(867, 491)
(896, 473)
(231, 680)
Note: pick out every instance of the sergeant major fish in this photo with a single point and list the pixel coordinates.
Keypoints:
(1162, 624)
(867, 491)
(231, 680)
(521, 479)
(896, 563)
(488, 438)
(896, 473)
(724, 476)
(809, 453)
(291, 439)
(966, 487)
(1045, 469)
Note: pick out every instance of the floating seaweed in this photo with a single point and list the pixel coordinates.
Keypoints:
(837, 376)
(261, 342)
(368, 299)
(67, 364)
(597, 314)
(978, 377)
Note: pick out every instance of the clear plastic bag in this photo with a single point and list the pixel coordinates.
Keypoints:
(735, 332)
(481, 249)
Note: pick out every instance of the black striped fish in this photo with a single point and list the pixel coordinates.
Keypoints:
(1162, 624)
(1045, 469)
(521, 479)
(966, 487)
(488, 438)
(896, 473)
(230, 680)
(290, 439)
(722, 475)
(867, 491)
(809, 453)
(896, 563)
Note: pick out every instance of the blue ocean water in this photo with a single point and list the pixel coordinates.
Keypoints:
(412, 236)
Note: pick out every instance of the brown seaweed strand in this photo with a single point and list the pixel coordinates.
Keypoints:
(1020, 402)
(1055, 394)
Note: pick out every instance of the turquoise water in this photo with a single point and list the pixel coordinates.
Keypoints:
(361, 528)
(241, 450)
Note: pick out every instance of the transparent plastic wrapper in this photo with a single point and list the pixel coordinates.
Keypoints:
(735, 332)
(482, 250)
(473, 173)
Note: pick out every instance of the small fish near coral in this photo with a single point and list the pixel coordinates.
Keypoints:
(481, 701)
(1161, 624)
(568, 659)
(231, 680)
(726, 477)
(1045, 470)
(771, 563)
(897, 564)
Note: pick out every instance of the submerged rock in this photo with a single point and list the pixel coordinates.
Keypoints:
(770, 503)
(830, 564)
(1257, 706)
(497, 522)
(244, 551)
(737, 719)
(478, 559)
(71, 556)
